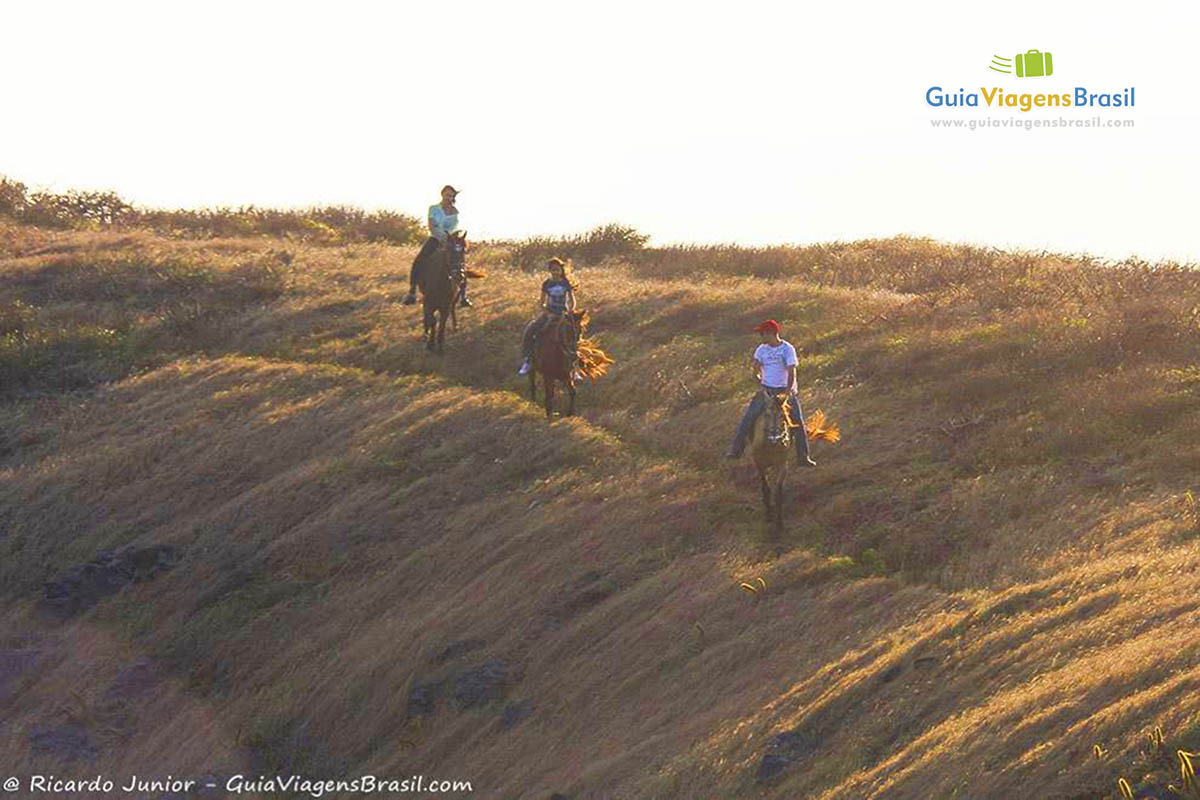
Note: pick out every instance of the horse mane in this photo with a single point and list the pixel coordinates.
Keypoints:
(593, 361)
(819, 427)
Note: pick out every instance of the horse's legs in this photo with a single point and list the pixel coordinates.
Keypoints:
(429, 327)
(533, 385)
(766, 493)
(779, 500)
(548, 388)
(571, 393)
(453, 313)
(441, 332)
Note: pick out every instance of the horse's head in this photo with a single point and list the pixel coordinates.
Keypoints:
(777, 420)
(456, 251)
(576, 326)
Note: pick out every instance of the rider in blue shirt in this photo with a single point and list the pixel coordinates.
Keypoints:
(558, 297)
(442, 219)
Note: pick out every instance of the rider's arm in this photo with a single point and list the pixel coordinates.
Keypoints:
(570, 301)
(756, 366)
(543, 301)
(791, 378)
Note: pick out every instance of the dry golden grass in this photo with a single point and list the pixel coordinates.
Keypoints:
(156, 727)
(996, 569)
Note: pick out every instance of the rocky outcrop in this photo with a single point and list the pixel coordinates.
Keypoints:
(84, 585)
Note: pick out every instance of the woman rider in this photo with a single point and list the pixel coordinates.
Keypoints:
(558, 296)
(443, 219)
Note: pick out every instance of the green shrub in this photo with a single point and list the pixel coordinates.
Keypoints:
(80, 209)
(15, 317)
(13, 197)
(868, 564)
(601, 243)
(64, 358)
(327, 224)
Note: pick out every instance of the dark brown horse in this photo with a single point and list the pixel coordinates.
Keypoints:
(554, 358)
(441, 279)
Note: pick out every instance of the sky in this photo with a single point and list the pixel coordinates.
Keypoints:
(763, 123)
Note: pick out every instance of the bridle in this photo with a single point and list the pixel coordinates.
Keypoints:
(456, 257)
(778, 426)
(569, 333)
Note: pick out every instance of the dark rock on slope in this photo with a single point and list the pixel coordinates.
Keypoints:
(84, 585)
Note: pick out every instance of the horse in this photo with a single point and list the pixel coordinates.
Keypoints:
(771, 451)
(441, 280)
(553, 357)
(771, 447)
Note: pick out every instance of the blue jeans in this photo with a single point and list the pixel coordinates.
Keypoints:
(751, 414)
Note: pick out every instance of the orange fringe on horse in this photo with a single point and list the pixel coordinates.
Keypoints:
(551, 359)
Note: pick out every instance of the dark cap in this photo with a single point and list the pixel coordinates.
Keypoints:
(450, 188)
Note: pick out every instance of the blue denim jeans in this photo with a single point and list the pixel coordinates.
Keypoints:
(751, 414)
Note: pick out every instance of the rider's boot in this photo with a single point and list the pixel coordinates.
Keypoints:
(803, 455)
(803, 458)
(462, 296)
(413, 280)
(736, 447)
(526, 365)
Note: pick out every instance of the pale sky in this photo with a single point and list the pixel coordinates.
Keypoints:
(754, 123)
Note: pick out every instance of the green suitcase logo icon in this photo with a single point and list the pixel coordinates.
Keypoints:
(1034, 64)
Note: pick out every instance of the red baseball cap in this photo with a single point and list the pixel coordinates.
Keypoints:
(769, 325)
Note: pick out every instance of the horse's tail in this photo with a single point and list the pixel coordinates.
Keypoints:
(475, 273)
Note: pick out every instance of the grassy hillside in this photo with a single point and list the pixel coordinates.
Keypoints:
(390, 562)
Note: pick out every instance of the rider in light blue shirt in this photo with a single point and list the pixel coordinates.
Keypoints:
(442, 220)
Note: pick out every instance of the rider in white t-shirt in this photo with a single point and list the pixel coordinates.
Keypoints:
(775, 367)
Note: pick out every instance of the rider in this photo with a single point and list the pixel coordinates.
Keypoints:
(558, 296)
(775, 367)
(443, 219)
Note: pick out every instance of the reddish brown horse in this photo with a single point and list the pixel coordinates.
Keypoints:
(441, 279)
(554, 358)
